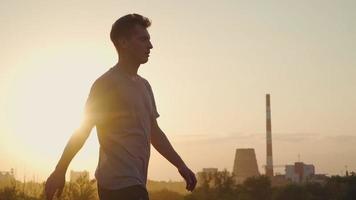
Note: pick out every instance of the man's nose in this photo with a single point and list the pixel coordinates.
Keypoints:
(150, 46)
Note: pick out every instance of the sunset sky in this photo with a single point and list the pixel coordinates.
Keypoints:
(210, 68)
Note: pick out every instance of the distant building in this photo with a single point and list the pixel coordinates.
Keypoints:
(74, 175)
(279, 180)
(210, 170)
(318, 178)
(6, 177)
(206, 175)
(245, 165)
(299, 172)
(210, 175)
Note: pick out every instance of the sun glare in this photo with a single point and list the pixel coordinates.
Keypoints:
(45, 113)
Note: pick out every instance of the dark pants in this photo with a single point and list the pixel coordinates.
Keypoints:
(136, 192)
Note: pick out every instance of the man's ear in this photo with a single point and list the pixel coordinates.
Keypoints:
(122, 43)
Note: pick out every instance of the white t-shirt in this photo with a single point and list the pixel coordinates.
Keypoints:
(122, 109)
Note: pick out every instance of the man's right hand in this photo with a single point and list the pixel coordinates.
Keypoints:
(55, 183)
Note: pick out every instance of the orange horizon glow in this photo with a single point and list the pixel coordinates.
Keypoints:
(210, 69)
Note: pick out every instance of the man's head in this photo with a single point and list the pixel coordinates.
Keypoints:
(130, 37)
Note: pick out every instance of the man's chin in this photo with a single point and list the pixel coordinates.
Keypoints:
(143, 61)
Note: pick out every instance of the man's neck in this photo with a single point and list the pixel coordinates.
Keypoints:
(128, 67)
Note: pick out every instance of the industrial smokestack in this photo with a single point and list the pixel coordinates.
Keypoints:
(269, 165)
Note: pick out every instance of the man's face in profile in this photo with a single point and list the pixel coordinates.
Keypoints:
(139, 44)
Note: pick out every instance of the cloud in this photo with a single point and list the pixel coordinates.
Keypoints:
(295, 137)
(260, 137)
(341, 138)
(217, 138)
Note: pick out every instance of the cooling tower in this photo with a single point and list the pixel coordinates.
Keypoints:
(245, 165)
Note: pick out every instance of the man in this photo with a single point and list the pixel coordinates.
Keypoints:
(122, 107)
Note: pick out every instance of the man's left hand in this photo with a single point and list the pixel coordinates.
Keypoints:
(189, 177)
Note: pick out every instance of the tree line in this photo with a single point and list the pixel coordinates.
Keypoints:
(218, 186)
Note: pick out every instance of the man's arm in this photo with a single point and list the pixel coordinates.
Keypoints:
(161, 143)
(56, 180)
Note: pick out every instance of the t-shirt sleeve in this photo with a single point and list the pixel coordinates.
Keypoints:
(155, 112)
(93, 105)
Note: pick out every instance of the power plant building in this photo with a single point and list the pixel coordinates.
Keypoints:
(299, 172)
(245, 165)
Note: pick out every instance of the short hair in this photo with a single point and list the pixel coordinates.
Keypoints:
(123, 26)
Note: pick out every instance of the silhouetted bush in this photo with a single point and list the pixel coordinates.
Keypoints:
(223, 188)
